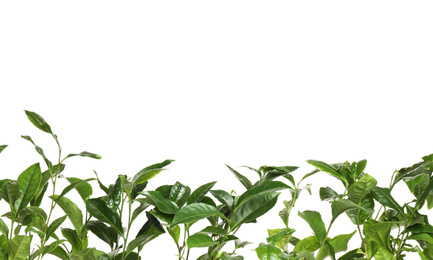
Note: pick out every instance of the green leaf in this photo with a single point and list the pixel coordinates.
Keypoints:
(241, 178)
(76, 184)
(253, 208)
(200, 192)
(421, 236)
(139, 210)
(338, 243)
(19, 247)
(327, 194)
(367, 203)
(163, 204)
(309, 244)
(179, 193)
(279, 235)
(194, 212)
(73, 238)
(265, 187)
(361, 188)
(38, 121)
(324, 167)
(421, 254)
(149, 172)
(2, 147)
(54, 226)
(28, 182)
(104, 232)
(383, 196)
(351, 255)
(224, 197)
(314, 219)
(268, 252)
(426, 192)
(360, 167)
(72, 211)
(213, 231)
(84, 154)
(115, 195)
(341, 206)
(199, 240)
(4, 228)
(98, 209)
(174, 233)
(148, 235)
(378, 232)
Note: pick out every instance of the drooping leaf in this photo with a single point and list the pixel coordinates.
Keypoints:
(163, 204)
(98, 209)
(314, 220)
(327, 193)
(104, 232)
(341, 206)
(38, 121)
(253, 208)
(383, 196)
(194, 212)
(72, 211)
(268, 252)
(28, 182)
(200, 192)
(324, 167)
(199, 240)
(361, 188)
(224, 197)
(247, 184)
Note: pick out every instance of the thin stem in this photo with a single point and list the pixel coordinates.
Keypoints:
(129, 225)
(359, 229)
(12, 228)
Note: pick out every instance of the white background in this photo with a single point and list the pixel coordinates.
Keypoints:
(209, 83)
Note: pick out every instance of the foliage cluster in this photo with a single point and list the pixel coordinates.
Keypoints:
(174, 209)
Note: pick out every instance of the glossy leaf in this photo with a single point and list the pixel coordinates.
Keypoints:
(341, 206)
(72, 211)
(425, 193)
(361, 188)
(224, 197)
(253, 208)
(194, 212)
(38, 121)
(28, 182)
(179, 193)
(314, 220)
(149, 172)
(98, 209)
(247, 184)
(265, 187)
(200, 192)
(199, 240)
(163, 204)
(115, 195)
(268, 252)
(76, 184)
(383, 196)
(324, 167)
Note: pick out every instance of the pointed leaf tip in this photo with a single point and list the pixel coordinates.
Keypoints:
(38, 121)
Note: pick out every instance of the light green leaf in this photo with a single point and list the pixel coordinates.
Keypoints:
(149, 172)
(309, 244)
(268, 252)
(4, 228)
(213, 231)
(19, 247)
(361, 188)
(426, 192)
(421, 236)
(314, 219)
(199, 240)
(76, 184)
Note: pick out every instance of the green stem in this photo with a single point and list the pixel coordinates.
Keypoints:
(12, 228)
(129, 226)
(326, 236)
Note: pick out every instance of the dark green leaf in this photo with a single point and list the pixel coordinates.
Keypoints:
(138, 211)
(115, 195)
(241, 178)
(425, 193)
(327, 194)
(137, 188)
(314, 219)
(38, 121)
(383, 196)
(224, 197)
(163, 204)
(98, 209)
(199, 240)
(101, 185)
(253, 208)
(104, 232)
(76, 184)
(200, 192)
(194, 212)
(324, 167)
(179, 193)
(265, 187)
(148, 235)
